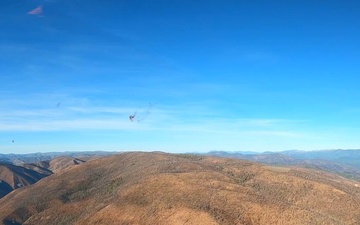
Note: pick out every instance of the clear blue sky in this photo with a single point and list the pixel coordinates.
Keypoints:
(201, 75)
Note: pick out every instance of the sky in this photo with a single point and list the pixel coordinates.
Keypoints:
(198, 75)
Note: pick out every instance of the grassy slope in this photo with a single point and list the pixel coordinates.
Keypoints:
(158, 188)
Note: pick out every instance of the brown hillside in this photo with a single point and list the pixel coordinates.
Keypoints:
(40, 167)
(13, 177)
(24, 174)
(63, 162)
(159, 188)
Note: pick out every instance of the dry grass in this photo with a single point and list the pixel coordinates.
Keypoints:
(61, 163)
(13, 177)
(159, 188)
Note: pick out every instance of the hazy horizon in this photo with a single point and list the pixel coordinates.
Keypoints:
(180, 152)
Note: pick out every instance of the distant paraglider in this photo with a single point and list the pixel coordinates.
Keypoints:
(131, 117)
(141, 115)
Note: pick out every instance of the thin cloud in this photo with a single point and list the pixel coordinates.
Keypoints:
(69, 125)
(37, 11)
(191, 118)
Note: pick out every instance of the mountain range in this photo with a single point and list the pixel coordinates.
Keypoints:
(161, 188)
(342, 162)
(18, 159)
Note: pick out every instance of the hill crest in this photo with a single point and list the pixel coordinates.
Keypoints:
(160, 188)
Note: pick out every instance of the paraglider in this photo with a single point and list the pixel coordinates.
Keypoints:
(141, 115)
(131, 117)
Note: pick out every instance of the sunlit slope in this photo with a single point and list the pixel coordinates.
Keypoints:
(159, 188)
(63, 162)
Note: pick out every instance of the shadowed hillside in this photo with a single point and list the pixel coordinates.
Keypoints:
(24, 174)
(13, 177)
(159, 188)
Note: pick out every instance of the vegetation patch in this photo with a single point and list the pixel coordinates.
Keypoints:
(191, 157)
(17, 217)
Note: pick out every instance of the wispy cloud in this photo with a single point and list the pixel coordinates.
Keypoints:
(37, 11)
(192, 127)
(191, 118)
(68, 125)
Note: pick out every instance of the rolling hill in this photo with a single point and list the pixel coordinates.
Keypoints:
(63, 162)
(13, 177)
(17, 176)
(159, 188)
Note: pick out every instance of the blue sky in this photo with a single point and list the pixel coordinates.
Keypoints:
(201, 75)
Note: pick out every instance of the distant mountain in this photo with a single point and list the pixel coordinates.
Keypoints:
(348, 157)
(159, 188)
(215, 152)
(19, 159)
(341, 162)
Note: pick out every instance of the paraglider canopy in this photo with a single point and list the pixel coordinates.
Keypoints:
(141, 115)
(131, 117)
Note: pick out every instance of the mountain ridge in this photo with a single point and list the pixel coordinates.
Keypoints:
(19, 159)
(162, 188)
(341, 162)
